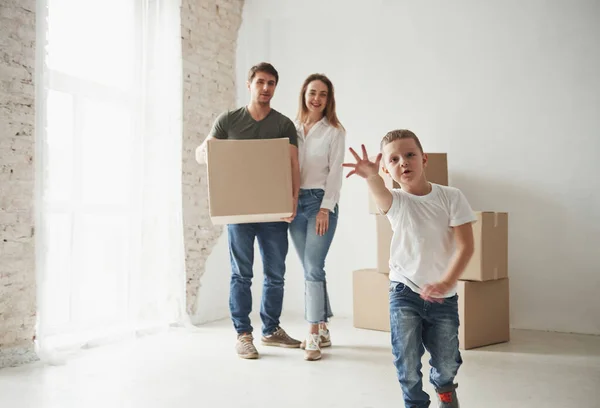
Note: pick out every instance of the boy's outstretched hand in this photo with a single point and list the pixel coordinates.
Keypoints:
(363, 167)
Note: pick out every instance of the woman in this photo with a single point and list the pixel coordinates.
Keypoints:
(321, 147)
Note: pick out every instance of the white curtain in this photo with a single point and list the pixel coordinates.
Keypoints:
(110, 233)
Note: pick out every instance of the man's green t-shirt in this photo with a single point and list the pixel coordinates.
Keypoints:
(240, 125)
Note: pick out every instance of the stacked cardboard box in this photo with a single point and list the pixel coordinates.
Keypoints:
(483, 289)
(370, 300)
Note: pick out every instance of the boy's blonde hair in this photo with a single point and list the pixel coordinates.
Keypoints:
(397, 135)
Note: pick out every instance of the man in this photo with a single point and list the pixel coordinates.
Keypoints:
(258, 120)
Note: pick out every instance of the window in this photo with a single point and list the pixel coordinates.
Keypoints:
(110, 234)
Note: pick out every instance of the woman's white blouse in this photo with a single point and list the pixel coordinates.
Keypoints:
(321, 154)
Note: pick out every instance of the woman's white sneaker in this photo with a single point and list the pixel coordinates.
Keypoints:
(312, 350)
(324, 337)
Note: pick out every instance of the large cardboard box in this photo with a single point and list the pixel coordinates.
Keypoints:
(371, 300)
(483, 309)
(384, 233)
(436, 172)
(249, 180)
(490, 259)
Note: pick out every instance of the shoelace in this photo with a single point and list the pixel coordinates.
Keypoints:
(312, 343)
(281, 333)
(247, 345)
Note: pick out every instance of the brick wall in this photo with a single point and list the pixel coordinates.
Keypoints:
(209, 31)
(17, 120)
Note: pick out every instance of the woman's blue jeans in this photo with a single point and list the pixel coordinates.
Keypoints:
(312, 250)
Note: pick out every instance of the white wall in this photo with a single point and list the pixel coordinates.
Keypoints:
(510, 90)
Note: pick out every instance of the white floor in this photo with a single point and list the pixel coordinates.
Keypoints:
(200, 369)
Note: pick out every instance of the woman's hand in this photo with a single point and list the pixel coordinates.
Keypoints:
(322, 224)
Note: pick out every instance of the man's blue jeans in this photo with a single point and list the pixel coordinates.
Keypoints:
(273, 244)
(312, 250)
(417, 325)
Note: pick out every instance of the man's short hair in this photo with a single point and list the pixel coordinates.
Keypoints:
(263, 67)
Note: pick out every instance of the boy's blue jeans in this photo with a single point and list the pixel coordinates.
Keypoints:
(273, 244)
(417, 325)
(312, 250)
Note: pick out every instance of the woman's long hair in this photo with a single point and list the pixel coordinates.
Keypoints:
(329, 111)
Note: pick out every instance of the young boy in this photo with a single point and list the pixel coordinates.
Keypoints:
(431, 245)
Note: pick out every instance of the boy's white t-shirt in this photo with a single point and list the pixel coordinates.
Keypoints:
(423, 243)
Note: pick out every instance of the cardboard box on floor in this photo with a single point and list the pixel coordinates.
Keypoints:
(371, 308)
(490, 259)
(384, 233)
(484, 313)
(483, 308)
(249, 180)
(436, 172)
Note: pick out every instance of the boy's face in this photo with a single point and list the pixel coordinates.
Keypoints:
(262, 88)
(404, 162)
